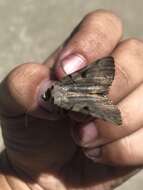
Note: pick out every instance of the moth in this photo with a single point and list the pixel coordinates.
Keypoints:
(86, 91)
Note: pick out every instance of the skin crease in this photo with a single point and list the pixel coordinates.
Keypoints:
(40, 152)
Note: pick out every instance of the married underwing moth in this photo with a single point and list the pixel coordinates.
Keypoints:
(86, 90)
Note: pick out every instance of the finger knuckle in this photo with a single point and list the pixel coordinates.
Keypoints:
(21, 85)
(133, 43)
(102, 13)
(25, 67)
(121, 153)
(103, 20)
(126, 153)
(24, 78)
(25, 70)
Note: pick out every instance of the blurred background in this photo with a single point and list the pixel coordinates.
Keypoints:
(31, 29)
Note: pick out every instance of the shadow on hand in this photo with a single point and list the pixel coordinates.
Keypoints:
(80, 172)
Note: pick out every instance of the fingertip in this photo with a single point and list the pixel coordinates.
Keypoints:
(69, 64)
(95, 37)
(109, 14)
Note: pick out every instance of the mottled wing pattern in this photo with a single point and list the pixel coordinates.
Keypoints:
(95, 78)
(86, 91)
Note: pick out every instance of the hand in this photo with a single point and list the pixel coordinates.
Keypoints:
(40, 152)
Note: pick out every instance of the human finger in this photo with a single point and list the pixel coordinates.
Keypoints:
(128, 59)
(95, 37)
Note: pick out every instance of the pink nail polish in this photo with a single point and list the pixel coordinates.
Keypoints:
(88, 134)
(73, 63)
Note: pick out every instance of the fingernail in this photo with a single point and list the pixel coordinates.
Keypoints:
(73, 63)
(94, 154)
(88, 134)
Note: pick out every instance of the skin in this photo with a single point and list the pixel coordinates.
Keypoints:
(45, 151)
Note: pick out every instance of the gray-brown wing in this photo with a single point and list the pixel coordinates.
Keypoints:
(86, 91)
(90, 104)
(93, 79)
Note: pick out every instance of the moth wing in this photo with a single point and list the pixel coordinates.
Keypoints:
(98, 107)
(95, 78)
(95, 105)
(85, 91)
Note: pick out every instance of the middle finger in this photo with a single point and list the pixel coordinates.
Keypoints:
(128, 59)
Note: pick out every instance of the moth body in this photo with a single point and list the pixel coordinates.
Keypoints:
(86, 91)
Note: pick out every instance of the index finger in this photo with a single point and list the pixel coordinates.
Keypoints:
(95, 37)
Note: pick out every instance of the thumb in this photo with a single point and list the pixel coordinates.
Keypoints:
(19, 90)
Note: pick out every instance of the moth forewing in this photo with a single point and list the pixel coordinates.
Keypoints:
(86, 91)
